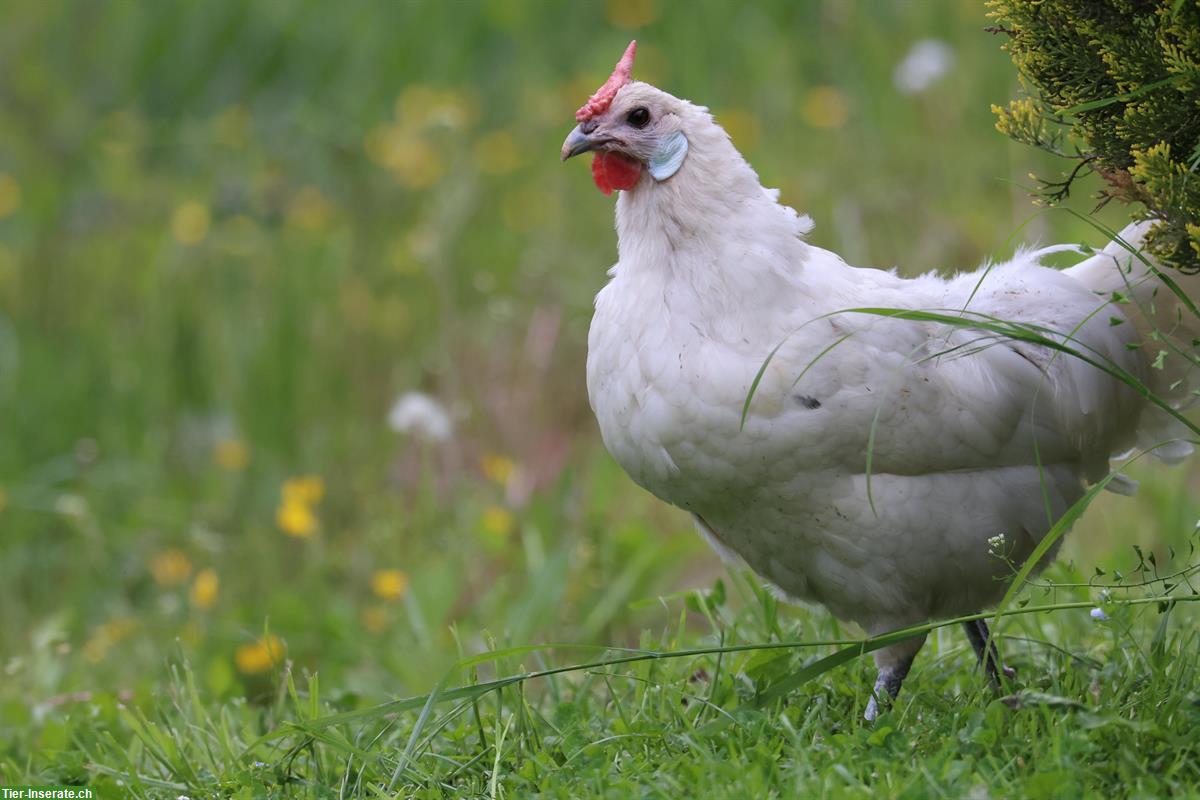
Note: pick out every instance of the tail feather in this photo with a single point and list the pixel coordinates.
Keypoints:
(1168, 331)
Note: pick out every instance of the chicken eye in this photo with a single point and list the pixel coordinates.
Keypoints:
(638, 117)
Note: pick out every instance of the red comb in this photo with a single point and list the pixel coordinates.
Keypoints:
(602, 99)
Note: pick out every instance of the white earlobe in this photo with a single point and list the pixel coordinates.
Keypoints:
(669, 157)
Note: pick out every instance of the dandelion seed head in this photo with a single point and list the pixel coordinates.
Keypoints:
(924, 64)
(422, 416)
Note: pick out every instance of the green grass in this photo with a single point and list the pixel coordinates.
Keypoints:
(1111, 713)
(241, 231)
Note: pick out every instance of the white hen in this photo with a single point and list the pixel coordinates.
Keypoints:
(877, 456)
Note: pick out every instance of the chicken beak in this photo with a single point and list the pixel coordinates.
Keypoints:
(577, 142)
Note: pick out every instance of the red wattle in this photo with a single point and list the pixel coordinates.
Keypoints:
(615, 171)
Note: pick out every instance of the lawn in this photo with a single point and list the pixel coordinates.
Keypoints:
(300, 494)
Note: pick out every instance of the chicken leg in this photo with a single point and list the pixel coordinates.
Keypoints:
(987, 652)
(893, 662)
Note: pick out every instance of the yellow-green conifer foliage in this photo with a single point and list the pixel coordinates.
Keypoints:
(1115, 86)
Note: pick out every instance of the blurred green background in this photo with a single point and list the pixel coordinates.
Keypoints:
(233, 235)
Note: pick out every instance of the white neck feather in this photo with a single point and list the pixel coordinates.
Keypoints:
(711, 230)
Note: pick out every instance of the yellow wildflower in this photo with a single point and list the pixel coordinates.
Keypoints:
(415, 163)
(374, 619)
(498, 522)
(295, 515)
(296, 519)
(742, 127)
(413, 103)
(232, 127)
(522, 207)
(497, 468)
(400, 256)
(356, 303)
(8, 268)
(10, 194)
(259, 656)
(95, 649)
(204, 588)
(412, 159)
(170, 567)
(231, 454)
(824, 107)
(389, 584)
(191, 633)
(420, 106)
(307, 489)
(497, 153)
(393, 318)
(189, 223)
(105, 637)
(377, 143)
(630, 14)
(309, 210)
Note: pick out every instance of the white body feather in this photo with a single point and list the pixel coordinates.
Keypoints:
(970, 436)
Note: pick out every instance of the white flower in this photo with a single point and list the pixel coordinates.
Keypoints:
(420, 415)
(70, 505)
(926, 62)
(996, 544)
